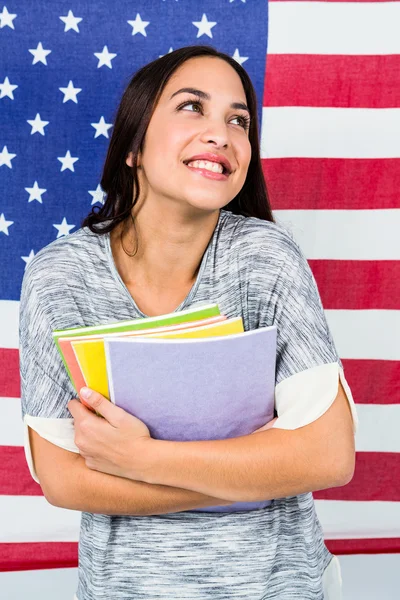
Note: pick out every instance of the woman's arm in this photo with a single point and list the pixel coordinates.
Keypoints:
(67, 482)
(270, 464)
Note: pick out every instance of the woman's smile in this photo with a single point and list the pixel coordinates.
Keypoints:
(207, 173)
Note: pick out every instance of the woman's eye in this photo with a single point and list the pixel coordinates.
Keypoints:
(190, 103)
(244, 120)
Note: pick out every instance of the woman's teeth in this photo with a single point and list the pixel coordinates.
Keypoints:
(206, 164)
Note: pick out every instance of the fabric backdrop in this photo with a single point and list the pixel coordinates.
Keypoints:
(328, 86)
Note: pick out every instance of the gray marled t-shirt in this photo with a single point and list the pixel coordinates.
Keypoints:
(251, 268)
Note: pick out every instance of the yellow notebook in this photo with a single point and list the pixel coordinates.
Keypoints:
(91, 356)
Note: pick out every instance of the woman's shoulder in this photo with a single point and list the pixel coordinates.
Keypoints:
(263, 241)
(64, 258)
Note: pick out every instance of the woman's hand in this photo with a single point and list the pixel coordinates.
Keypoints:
(117, 444)
(266, 426)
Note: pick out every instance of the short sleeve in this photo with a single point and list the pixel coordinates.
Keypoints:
(45, 385)
(308, 366)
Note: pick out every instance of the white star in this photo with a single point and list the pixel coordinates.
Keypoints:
(39, 54)
(70, 92)
(63, 228)
(28, 259)
(71, 22)
(204, 26)
(37, 124)
(105, 57)
(6, 89)
(101, 127)
(97, 195)
(6, 157)
(238, 58)
(4, 225)
(169, 52)
(67, 161)
(244, 1)
(139, 25)
(6, 19)
(35, 193)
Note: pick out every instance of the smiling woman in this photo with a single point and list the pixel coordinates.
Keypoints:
(187, 220)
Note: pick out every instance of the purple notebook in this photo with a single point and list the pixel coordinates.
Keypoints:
(197, 389)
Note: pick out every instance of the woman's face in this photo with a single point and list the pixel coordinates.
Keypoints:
(176, 133)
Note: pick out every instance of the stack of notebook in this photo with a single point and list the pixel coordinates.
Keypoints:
(189, 375)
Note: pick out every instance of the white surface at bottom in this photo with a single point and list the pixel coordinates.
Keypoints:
(370, 577)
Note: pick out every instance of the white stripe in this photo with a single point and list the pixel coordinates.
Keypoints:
(33, 519)
(333, 28)
(365, 576)
(366, 334)
(352, 520)
(379, 428)
(345, 234)
(11, 424)
(377, 432)
(9, 323)
(326, 132)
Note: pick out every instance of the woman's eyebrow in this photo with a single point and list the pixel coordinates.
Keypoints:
(205, 96)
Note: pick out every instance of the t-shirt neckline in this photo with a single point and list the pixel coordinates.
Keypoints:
(193, 290)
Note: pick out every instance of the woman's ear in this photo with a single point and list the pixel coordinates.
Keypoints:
(129, 160)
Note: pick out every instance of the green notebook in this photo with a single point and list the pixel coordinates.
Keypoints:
(195, 313)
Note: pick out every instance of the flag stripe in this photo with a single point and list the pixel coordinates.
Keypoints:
(36, 555)
(334, 28)
(32, 519)
(366, 284)
(9, 323)
(11, 425)
(364, 546)
(9, 370)
(368, 334)
(344, 519)
(376, 478)
(332, 183)
(54, 555)
(325, 132)
(345, 234)
(327, 80)
(359, 334)
(15, 478)
(377, 445)
(373, 381)
(378, 431)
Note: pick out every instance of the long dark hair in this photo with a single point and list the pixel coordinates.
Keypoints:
(133, 116)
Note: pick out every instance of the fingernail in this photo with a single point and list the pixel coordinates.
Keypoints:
(86, 392)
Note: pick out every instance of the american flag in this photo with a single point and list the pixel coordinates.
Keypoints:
(327, 79)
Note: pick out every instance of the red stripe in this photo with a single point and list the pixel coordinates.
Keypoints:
(368, 284)
(15, 479)
(38, 555)
(9, 373)
(332, 183)
(57, 555)
(373, 381)
(336, 81)
(364, 546)
(376, 477)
